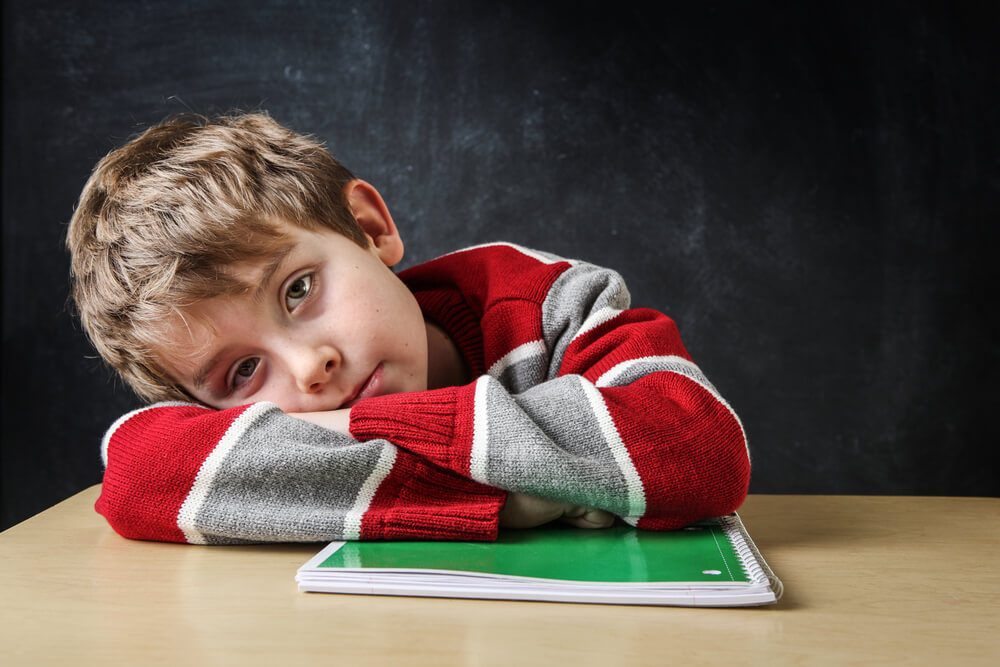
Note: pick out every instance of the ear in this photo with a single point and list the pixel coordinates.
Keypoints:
(373, 215)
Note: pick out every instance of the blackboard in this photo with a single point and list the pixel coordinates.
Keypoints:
(811, 192)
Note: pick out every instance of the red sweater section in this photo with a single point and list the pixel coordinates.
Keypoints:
(153, 460)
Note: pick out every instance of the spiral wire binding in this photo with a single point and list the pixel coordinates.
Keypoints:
(753, 564)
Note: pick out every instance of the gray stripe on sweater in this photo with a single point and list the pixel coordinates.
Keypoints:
(585, 462)
(286, 480)
(525, 373)
(579, 291)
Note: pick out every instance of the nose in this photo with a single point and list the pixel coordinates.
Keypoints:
(313, 368)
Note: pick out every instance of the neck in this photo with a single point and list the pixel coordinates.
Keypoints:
(445, 365)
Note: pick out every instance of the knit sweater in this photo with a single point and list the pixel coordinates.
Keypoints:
(577, 398)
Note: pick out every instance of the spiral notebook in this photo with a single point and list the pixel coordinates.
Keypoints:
(713, 563)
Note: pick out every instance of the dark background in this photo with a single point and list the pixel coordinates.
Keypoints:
(811, 192)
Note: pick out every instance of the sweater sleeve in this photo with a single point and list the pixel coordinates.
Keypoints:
(184, 473)
(599, 405)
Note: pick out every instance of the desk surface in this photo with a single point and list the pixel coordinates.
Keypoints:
(875, 579)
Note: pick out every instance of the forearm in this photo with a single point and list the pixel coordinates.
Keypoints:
(190, 474)
(660, 452)
(338, 421)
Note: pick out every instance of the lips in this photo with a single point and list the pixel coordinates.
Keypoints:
(371, 387)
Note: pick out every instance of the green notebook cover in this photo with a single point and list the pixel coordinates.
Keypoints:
(713, 563)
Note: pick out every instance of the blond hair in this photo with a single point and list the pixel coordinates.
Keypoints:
(162, 216)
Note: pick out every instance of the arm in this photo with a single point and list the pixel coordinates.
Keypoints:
(519, 510)
(595, 405)
(184, 473)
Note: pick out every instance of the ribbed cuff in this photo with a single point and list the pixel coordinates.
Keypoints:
(435, 424)
(422, 501)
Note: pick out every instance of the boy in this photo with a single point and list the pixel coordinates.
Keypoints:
(235, 272)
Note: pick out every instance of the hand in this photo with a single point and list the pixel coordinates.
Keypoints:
(335, 420)
(524, 511)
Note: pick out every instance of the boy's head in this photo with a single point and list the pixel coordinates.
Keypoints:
(192, 211)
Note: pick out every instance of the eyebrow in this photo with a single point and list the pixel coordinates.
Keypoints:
(267, 275)
(263, 284)
(202, 374)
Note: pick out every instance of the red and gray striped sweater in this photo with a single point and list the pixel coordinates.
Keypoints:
(578, 398)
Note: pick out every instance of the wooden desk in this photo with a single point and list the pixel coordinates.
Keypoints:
(867, 580)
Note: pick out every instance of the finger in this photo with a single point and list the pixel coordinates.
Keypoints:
(591, 519)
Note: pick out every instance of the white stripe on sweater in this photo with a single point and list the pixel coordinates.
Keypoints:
(480, 432)
(535, 348)
(352, 521)
(596, 319)
(633, 483)
(124, 418)
(680, 366)
(188, 514)
(538, 256)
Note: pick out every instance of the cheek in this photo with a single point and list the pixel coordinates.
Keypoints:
(394, 308)
(286, 398)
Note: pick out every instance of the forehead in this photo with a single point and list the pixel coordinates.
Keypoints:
(189, 334)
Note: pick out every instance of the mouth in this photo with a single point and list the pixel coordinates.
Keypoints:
(372, 386)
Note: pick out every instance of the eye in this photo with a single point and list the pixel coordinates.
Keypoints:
(244, 371)
(298, 291)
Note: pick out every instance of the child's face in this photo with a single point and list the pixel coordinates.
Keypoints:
(330, 326)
